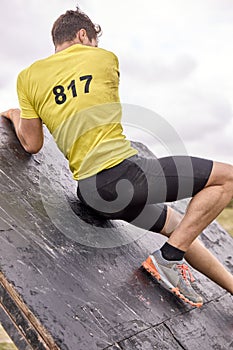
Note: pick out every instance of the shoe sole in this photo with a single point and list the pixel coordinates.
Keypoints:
(149, 266)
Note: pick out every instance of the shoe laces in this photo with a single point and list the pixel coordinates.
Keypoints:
(185, 272)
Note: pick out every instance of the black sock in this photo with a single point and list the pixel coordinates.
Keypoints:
(171, 253)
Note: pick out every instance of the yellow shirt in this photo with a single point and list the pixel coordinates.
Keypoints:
(75, 93)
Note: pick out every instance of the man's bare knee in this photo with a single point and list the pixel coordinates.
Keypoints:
(221, 175)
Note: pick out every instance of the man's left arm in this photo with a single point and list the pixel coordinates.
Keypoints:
(29, 131)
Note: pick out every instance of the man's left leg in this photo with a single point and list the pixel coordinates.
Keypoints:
(198, 256)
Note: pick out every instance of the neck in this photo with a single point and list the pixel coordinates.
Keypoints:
(64, 46)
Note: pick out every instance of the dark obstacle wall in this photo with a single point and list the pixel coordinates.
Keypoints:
(59, 291)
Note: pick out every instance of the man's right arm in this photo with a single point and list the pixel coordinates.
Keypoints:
(29, 131)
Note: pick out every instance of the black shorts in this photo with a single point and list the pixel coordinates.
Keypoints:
(136, 189)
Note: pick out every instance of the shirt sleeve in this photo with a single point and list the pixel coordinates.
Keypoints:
(23, 90)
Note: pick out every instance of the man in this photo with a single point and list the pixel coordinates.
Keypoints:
(75, 94)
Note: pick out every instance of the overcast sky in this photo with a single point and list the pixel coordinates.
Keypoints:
(176, 58)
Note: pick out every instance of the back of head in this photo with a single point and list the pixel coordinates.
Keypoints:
(67, 25)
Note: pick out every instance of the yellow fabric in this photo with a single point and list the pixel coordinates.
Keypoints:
(75, 93)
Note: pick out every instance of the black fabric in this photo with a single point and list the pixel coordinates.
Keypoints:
(135, 189)
(171, 253)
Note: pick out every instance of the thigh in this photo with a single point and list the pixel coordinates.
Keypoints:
(169, 179)
(124, 191)
(184, 176)
(151, 217)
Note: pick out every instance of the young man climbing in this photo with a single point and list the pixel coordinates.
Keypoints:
(74, 92)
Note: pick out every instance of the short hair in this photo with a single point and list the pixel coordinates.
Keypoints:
(67, 25)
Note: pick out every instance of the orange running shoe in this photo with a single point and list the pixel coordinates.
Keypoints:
(175, 276)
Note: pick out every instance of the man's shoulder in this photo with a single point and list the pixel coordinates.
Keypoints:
(106, 52)
(106, 56)
(36, 66)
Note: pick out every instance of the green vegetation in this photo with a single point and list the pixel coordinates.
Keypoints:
(226, 218)
(230, 205)
(7, 346)
(5, 342)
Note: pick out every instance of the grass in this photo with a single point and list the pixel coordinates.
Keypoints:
(225, 219)
(5, 342)
(7, 346)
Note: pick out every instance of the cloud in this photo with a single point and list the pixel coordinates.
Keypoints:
(160, 71)
(198, 113)
(28, 37)
(217, 145)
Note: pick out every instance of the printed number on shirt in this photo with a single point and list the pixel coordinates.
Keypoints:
(62, 93)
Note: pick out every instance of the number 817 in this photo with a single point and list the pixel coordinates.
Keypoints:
(59, 90)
